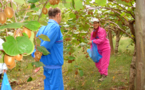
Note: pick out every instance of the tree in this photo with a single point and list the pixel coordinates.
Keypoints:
(140, 42)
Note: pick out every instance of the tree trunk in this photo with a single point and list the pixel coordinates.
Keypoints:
(117, 41)
(131, 27)
(132, 72)
(111, 42)
(140, 45)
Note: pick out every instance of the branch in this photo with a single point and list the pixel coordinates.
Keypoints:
(14, 11)
(24, 17)
(132, 14)
(113, 29)
(1, 6)
(43, 7)
(7, 32)
(122, 30)
(29, 9)
(112, 9)
(6, 3)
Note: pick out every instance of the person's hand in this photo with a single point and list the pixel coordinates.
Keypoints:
(37, 69)
(4, 71)
(90, 42)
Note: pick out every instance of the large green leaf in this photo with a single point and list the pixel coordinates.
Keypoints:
(33, 1)
(37, 64)
(12, 25)
(20, 1)
(101, 2)
(43, 50)
(32, 40)
(78, 4)
(32, 25)
(17, 46)
(44, 37)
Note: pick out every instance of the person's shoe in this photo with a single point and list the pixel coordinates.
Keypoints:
(102, 78)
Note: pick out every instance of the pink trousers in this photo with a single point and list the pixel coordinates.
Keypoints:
(103, 64)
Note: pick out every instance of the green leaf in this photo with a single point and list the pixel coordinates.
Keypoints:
(32, 40)
(88, 1)
(69, 70)
(37, 64)
(32, 36)
(14, 6)
(30, 66)
(12, 25)
(81, 72)
(78, 4)
(29, 79)
(32, 25)
(101, 2)
(32, 1)
(43, 50)
(54, 6)
(71, 58)
(68, 3)
(38, 41)
(35, 9)
(123, 2)
(48, 5)
(1, 57)
(20, 1)
(72, 15)
(44, 37)
(17, 46)
(24, 34)
(43, 22)
(73, 3)
(32, 6)
(86, 27)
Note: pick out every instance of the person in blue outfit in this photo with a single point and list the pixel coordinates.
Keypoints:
(52, 62)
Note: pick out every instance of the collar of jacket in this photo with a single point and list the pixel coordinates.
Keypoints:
(53, 21)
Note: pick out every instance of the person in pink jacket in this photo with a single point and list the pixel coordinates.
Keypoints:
(99, 37)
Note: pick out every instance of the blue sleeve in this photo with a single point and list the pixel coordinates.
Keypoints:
(52, 35)
(40, 31)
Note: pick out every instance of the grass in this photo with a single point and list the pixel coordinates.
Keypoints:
(124, 45)
(118, 72)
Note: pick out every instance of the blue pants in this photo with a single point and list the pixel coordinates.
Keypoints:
(54, 79)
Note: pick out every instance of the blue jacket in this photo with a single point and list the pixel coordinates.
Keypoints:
(55, 46)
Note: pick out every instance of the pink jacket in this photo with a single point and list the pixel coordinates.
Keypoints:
(102, 42)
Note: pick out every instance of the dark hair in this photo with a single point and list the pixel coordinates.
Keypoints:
(52, 12)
